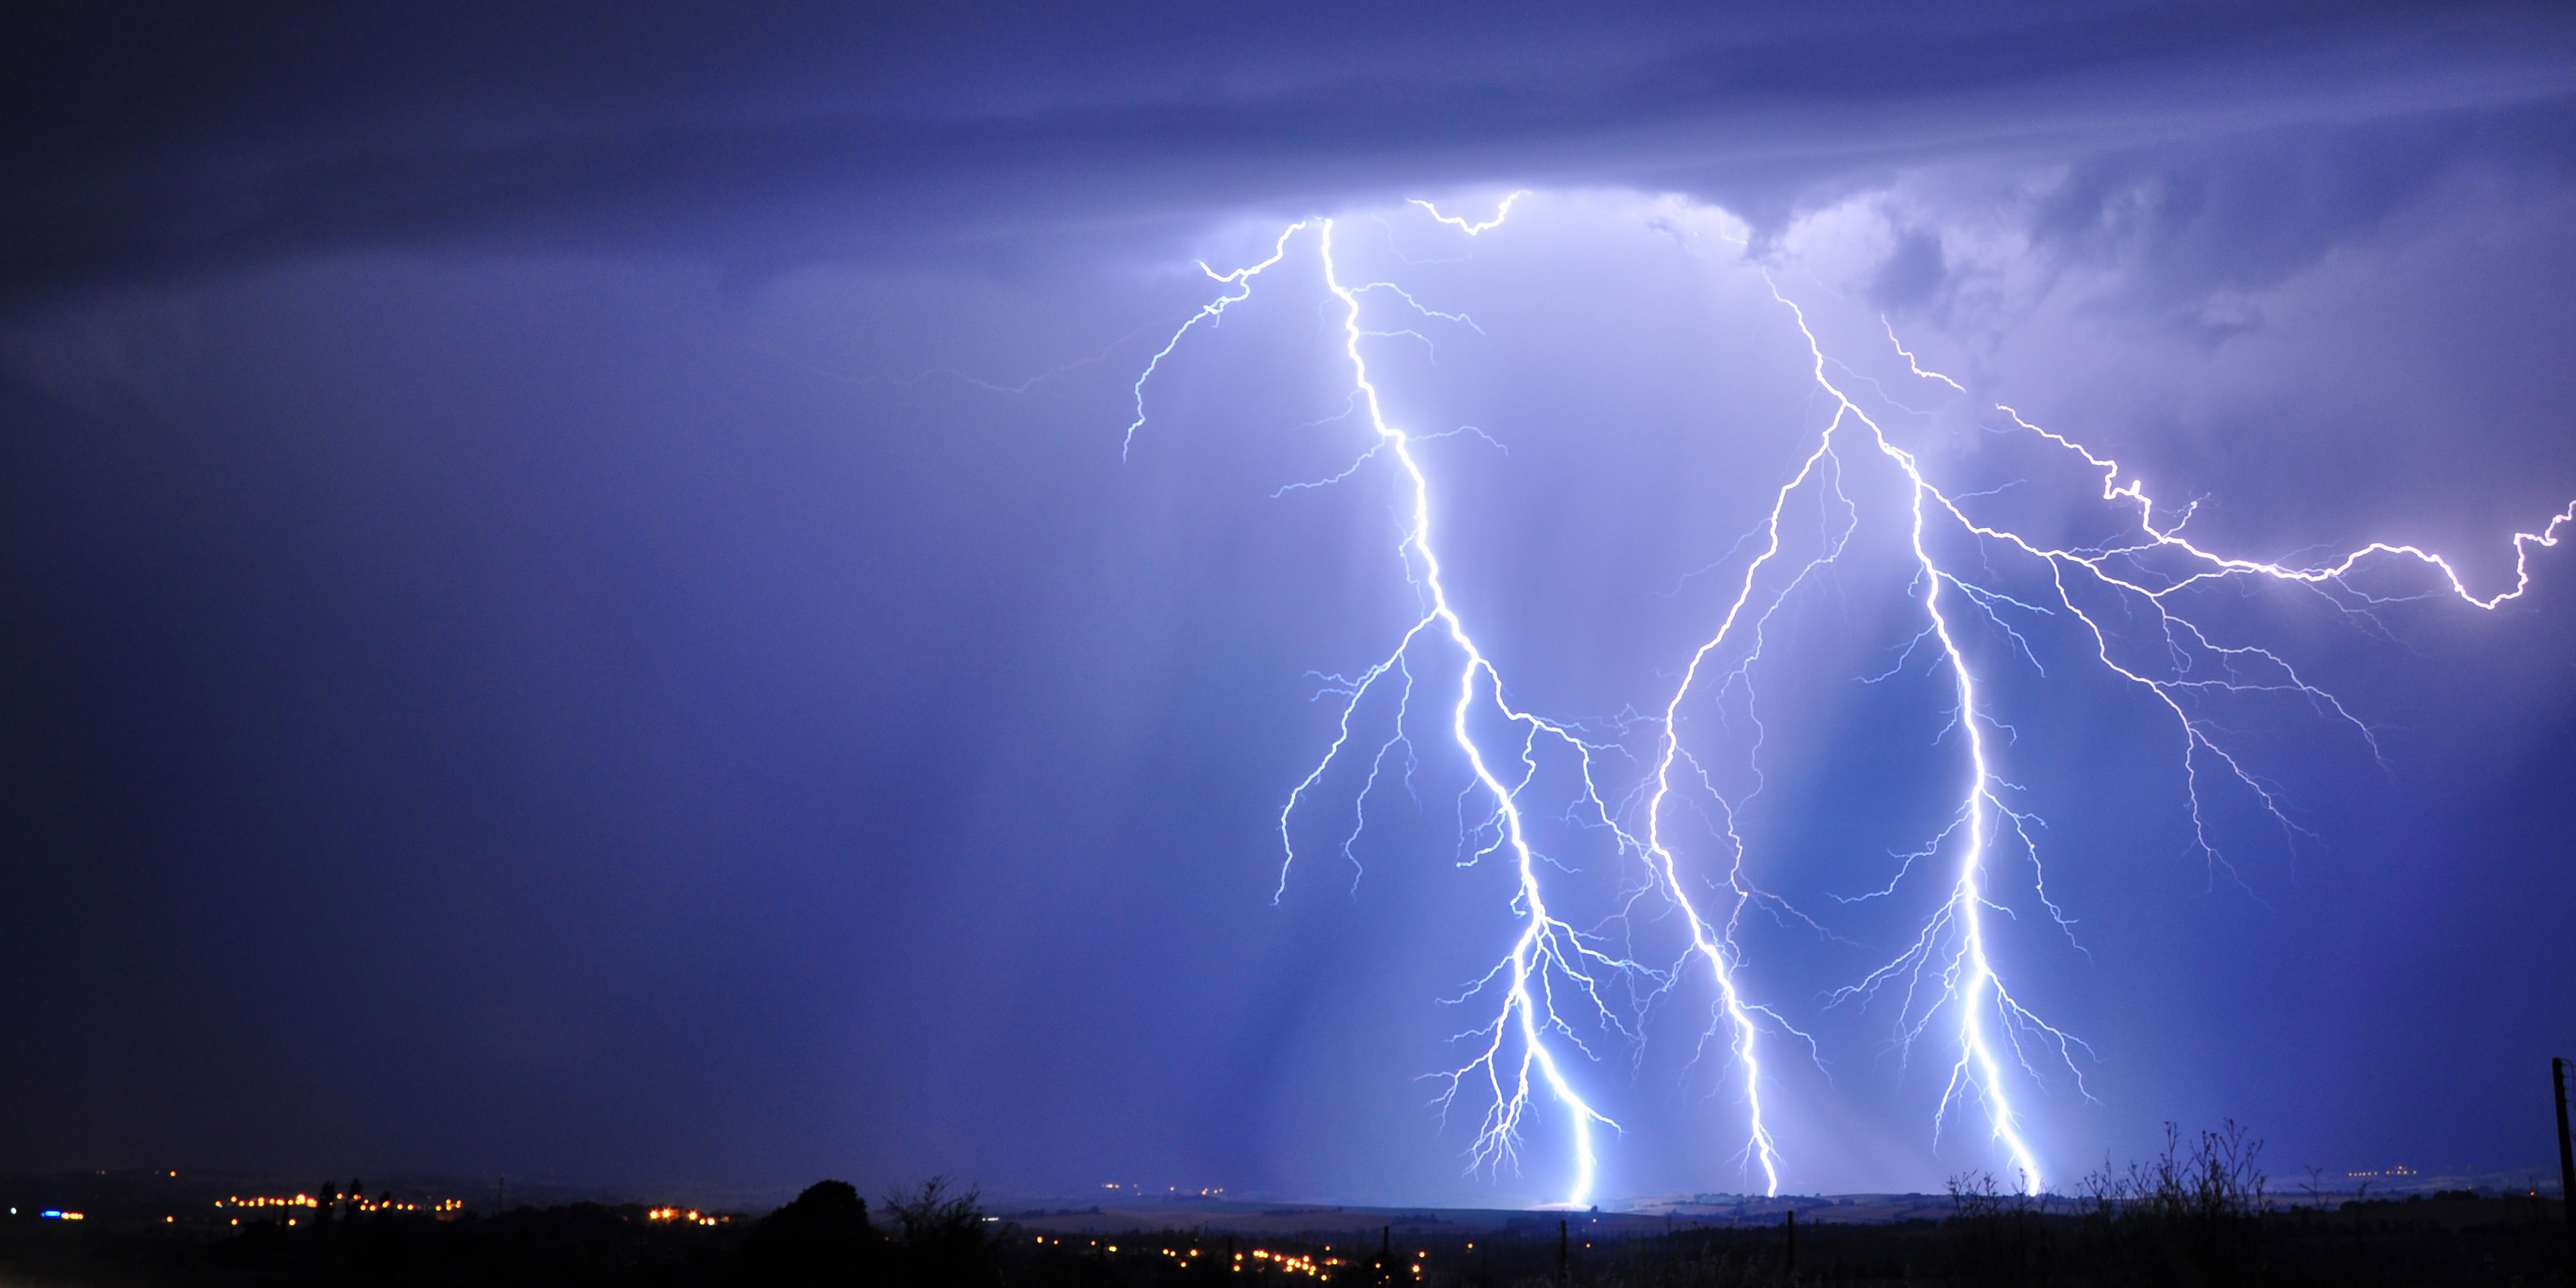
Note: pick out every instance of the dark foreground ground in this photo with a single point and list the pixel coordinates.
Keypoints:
(830, 1236)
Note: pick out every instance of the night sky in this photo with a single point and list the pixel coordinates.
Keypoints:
(572, 605)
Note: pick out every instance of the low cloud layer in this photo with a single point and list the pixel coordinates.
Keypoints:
(182, 142)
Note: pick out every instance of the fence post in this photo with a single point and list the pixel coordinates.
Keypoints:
(2566, 1160)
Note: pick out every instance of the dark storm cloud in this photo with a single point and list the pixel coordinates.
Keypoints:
(2246, 211)
(144, 141)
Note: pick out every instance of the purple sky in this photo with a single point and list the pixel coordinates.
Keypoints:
(555, 633)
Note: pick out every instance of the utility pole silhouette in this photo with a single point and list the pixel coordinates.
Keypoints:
(2566, 1158)
(1792, 1267)
(1560, 1251)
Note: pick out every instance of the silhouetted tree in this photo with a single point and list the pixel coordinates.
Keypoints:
(940, 1233)
(823, 1237)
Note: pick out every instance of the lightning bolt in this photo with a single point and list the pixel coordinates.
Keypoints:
(1550, 961)
(1949, 972)
(1212, 313)
(1459, 222)
(1950, 962)
(1953, 942)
